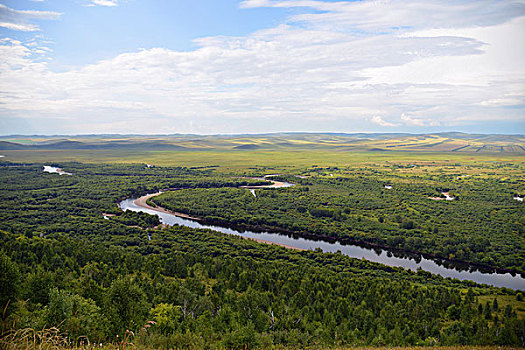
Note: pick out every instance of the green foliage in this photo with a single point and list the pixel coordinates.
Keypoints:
(9, 279)
(75, 315)
(38, 285)
(126, 306)
(188, 288)
(487, 227)
(166, 317)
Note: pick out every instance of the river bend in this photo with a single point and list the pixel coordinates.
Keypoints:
(382, 256)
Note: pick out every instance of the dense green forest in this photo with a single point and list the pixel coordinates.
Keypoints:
(484, 224)
(63, 264)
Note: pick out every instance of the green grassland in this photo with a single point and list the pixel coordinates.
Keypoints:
(282, 160)
(272, 152)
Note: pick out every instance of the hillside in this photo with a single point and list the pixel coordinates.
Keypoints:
(439, 142)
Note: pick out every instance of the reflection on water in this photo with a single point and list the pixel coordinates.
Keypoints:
(409, 261)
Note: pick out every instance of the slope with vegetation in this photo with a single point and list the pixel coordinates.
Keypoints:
(440, 142)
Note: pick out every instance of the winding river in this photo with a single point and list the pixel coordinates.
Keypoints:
(493, 278)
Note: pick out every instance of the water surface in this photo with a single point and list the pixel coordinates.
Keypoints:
(377, 255)
(52, 169)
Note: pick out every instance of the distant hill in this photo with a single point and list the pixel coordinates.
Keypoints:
(72, 145)
(247, 146)
(438, 142)
(5, 145)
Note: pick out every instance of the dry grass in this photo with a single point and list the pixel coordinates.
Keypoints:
(53, 339)
(29, 338)
(459, 347)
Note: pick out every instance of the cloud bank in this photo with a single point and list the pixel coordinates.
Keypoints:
(334, 66)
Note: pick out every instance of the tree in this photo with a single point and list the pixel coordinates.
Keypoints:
(166, 317)
(126, 305)
(38, 286)
(495, 306)
(77, 316)
(9, 277)
(487, 311)
(408, 225)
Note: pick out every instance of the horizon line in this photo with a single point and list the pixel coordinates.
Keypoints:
(262, 133)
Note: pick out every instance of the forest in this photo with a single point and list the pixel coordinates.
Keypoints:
(126, 280)
(484, 224)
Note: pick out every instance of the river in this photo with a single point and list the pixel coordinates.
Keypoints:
(377, 255)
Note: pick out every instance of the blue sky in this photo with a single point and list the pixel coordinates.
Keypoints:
(136, 66)
(84, 34)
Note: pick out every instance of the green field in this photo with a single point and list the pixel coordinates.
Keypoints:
(283, 160)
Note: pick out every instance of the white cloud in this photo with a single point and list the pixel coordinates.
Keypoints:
(19, 19)
(504, 102)
(108, 3)
(20, 27)
(414, 65)
(379, 121)
(409, 121)
(393, 15)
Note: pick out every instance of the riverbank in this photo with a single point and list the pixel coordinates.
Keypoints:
(359, 250)
(275, 184)
(401, 253)
(143, 203)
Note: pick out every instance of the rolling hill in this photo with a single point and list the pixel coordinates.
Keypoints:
(438, 142)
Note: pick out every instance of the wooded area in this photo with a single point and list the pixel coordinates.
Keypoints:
(62, 264)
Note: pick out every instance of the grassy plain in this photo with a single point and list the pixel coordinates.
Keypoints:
(280, 160)
(286, 153)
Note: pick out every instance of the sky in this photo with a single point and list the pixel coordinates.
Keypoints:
(258, 66)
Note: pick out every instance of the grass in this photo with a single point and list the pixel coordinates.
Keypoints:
(279, 160)
(29, 338)
(52, 339)
(503, 301)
